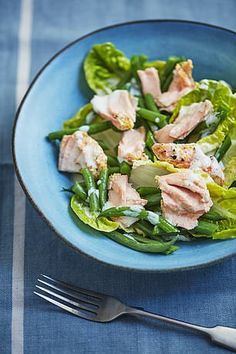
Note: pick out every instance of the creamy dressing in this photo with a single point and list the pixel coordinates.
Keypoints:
(134, 211)
(200, 161)
(84, 128)
(129, 236)
(132, 214)
(211, 118)
(153, 218)
(90, 117)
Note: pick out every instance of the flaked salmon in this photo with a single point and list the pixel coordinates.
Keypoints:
(181, 84)
(150, 82)
(189, 117)
(131, 147)
(185, 198)
(189, 156)
(121, 193)
(80, 150)
(119, 107)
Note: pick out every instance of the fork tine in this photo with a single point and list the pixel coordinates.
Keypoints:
(92, 301)
(77, 289)
(82, 307)
(66, 308)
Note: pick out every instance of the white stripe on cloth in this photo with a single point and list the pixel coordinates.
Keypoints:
(22, 82)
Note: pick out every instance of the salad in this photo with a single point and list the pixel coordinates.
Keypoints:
(152, 154)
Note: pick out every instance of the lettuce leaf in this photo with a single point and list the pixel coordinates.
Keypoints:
(229, 161)
(144, 172)
(220, 94)
(104, 67)
(91, 219)
(225, 234)
(79, 118)
(110, 137)
(230, 172)
(224, 201)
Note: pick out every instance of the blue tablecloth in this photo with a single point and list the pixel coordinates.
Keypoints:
(31, 31)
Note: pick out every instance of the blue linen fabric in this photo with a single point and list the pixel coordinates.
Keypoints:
(30, 325)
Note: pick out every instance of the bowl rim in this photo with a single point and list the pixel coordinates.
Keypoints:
(20, 177)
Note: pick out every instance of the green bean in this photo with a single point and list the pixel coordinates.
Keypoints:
(112, 170)
(58, 135)
(102, 187)
(153, 199)
(150, 247)
(146, 190)
(221, 151)
(137, 63)
(140, 238)
(135, 212)
(155, 117)
(79, 191)
(92, 129)
(144, 226)
(156, 230)
(126, 78)
(205, 228)
(150, 103)
(141, 102)
(150, 141)
(212, 215)
(91, 187)
(112, 161)
(149, 154)
(166, 226)
(153, 127)
(125, 168)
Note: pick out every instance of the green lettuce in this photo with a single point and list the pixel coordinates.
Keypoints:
(144, 172)
(229, 161)
(109, 137)
(79, 118)
(91, 219)
(105, 66)
(224, 202)
(220, 94)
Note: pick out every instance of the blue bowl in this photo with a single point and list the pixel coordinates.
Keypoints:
(57, 92)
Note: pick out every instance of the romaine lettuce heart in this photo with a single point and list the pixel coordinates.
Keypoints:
(104, 67)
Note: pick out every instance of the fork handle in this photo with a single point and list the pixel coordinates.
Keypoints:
(225, 336)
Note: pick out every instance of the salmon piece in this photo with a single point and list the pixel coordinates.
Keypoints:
(121, 193)
(119, 107)
(216, 171)
(181, 84)
(189, 117)
(182, 77)
(185, 198)
(189, 156)
(80, 150)
(150, 82)
(131, 147)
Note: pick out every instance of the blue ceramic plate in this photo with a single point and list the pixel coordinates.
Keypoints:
(57, 92)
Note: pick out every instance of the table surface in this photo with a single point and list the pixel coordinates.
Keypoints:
(30, 33)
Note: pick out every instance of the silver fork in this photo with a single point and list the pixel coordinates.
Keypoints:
(99, 307)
